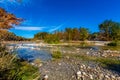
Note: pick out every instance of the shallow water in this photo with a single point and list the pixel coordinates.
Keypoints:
(31, 52)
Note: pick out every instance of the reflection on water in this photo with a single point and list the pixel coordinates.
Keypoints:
(31, 52)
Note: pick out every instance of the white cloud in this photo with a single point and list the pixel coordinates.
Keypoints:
(38, 28)
(55, 28)
(30, 28)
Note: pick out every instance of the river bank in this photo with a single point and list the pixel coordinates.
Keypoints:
(84, 63)
(74, 62)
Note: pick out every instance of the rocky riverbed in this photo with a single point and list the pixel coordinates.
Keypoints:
(75, 63)
(74, 69)
(70, 67)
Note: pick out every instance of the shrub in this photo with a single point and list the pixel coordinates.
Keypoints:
(112, 44)
(52, 39)
(83, 44)
(56, 55)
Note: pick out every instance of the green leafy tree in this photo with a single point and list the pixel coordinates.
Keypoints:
(94, 36)
(40, 36)
(84, 33)
(109, 30)
(68, 34)
(52, 38)
(115, 31)
(75, 34)
(105, 29)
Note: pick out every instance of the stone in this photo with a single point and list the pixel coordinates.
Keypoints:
(59, 64)
(91, 77)
(78, 74)
(45, 77)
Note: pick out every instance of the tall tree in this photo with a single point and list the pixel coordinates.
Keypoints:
(68, 34)
(109, 30)
(84, 33)
(115, 31)
(105, 29)
(75, 34)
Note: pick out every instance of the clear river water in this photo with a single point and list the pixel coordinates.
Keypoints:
(30, 52)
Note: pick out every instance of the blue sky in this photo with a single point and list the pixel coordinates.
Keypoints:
(51, 15)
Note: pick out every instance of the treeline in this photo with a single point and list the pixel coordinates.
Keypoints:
(108, 31)
(67, 35)
(9, 36)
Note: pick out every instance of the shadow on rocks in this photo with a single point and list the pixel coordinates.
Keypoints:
(113, 67)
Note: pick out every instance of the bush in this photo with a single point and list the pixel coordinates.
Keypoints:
(112, 44)
(52, 39)
(83, 44)
(56, 55)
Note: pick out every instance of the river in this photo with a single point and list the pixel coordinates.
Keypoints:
(30, 51)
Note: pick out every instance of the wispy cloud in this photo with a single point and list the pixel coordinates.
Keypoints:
(7, 3)
(30, 28)
(55, 28)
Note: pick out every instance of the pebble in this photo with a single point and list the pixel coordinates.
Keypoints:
(70, 70)
(45, 77)
(78, 74)
(91, 77)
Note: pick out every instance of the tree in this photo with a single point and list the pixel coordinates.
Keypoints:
(68, 34)
(84, 33)
(7, 20)
(105, 29)
(109, 30)
(40, 35)
(60, 35)
(94, 36)
(52, 38)
(7, 36)
(115, 31)
(75, 34)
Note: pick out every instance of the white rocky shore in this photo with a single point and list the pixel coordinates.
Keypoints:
(76, 70)
(70, 68)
